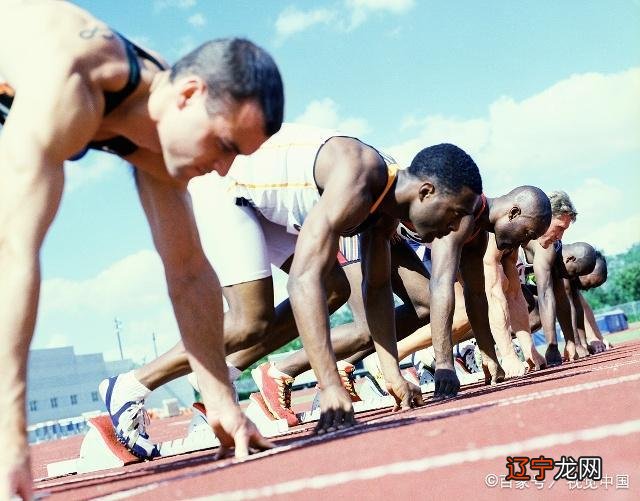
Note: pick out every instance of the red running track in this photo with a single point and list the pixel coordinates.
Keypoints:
(456, 448)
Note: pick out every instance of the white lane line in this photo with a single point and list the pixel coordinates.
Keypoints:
(391, 422)
(615, 366)
(128, 493)
(431, 462)
(381, 424)
(501, 402)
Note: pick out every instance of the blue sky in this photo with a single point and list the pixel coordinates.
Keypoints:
(544, 93)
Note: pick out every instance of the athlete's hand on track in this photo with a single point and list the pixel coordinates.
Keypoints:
(596, 346)
(552, 355)
(407, 394)
(447, 383)
(336, 410)
(581, 351)
(15, 478)
(513, 366)
(537, 361)
(570, 351)
(233, 428)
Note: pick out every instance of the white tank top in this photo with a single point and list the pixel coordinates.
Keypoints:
(277, 180)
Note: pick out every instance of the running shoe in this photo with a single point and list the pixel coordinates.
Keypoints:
(276, 392)
(130, 422)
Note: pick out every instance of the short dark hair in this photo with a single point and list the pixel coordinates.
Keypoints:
(240, 69)
(603, 266)
(450, 165)
(585, 256)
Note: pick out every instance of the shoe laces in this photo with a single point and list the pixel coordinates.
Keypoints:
(136, 420)
(284, 391)
(348, 381)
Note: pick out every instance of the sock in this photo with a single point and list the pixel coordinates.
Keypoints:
(275, 373)
(234, 372)
(343, 365)
(127, 389)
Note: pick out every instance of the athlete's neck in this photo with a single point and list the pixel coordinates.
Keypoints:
(489, 216)
(398, 199)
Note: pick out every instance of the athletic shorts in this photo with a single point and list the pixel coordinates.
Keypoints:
(529, 291)
(235, 237)
(349, 250)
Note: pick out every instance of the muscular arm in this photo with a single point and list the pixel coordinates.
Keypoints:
(591, 327)
(193, 286)
(518, 310)
(577, 313)
(344, 203)
(496, 284)
(46, 125)
(563, 308)
(542, 268)
(477, 308)
(197, 303)
(445, 261)
(378, 296)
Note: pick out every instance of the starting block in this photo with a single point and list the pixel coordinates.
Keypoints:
(101, 450)
(261, 416)
(200, 436)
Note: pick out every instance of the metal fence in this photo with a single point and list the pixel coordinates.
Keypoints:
(631, 310)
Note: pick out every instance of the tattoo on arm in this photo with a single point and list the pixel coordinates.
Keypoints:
(89, 33)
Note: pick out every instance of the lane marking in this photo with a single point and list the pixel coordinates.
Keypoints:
(432, 462)
(383, 423)
(128, 493)
(506, 401)
(389, 422)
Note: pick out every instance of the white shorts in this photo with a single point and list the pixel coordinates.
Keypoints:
(240, 243)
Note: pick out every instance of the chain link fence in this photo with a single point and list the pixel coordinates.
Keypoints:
(631, 310)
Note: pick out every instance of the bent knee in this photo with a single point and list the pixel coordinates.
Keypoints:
(423, 312)
(247, 330)
(362, 338)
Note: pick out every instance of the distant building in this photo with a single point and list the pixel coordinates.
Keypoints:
(62, 384)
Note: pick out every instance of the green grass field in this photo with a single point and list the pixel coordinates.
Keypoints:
(624, 336)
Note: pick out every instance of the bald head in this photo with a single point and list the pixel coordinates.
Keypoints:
(579, 258)
(533, 203)
(598, 276)
(524, 214)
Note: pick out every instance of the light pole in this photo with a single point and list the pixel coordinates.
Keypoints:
(118, 324)
(155, 345)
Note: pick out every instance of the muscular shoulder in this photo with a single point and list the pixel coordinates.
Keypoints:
(350, 161)
(57, 39)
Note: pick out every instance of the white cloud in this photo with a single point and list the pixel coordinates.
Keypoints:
(133, 283)
(58, 341)
(615, 236)
(606, 217)
(345, 17)
(569, 136)
(325, 113)
(185, 45)
(176, 4)
(82, 313)
(197, 20)
(572, 127)
(360, 9)
(292, 20)
(94, 167)
(396, 6)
